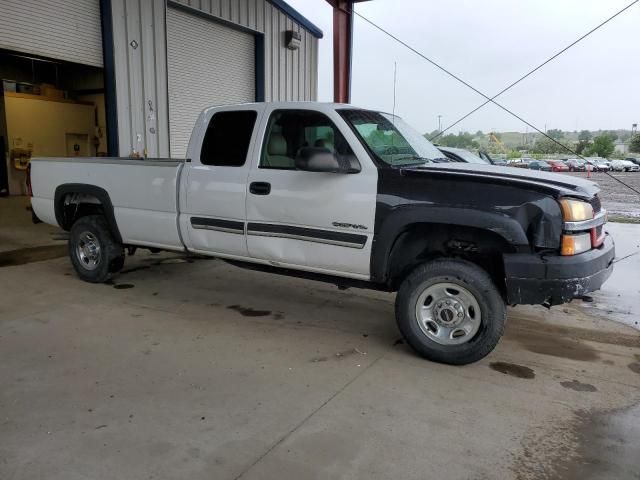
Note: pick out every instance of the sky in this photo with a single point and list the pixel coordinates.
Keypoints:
(594, 85)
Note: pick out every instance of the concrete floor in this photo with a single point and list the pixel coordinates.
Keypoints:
(17, 231)
(190, 368)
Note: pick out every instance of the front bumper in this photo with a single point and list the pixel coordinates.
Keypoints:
(553, 279)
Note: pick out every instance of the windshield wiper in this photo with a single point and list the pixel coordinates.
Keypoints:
(422, 161)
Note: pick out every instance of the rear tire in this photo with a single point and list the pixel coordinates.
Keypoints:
(94, 252)
(450, 311)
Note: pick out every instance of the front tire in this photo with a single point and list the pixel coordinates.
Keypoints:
(94, 253)
(450, 311)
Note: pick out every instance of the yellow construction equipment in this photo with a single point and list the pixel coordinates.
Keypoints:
(494, 140)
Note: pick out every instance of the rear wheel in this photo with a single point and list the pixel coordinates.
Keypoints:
(450, 311)
(94, 253)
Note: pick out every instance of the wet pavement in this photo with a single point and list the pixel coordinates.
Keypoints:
(619, 298)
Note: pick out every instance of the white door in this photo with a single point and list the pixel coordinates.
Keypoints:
(316, 221)
(208, 64)
(215, 187)
(63, 29)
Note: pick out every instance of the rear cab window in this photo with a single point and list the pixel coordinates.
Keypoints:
(227, 139)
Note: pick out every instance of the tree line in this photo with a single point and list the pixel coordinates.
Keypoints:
(586, 143)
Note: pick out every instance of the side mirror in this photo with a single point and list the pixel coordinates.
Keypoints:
(318, 159)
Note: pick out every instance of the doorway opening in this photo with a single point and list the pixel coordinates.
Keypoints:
(48, 108)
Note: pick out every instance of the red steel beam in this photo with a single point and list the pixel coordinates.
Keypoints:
(342, 41)
(342, 31)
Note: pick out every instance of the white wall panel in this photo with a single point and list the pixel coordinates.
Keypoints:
(139, 41)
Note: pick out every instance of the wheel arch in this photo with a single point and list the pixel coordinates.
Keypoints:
(90, 191)
(414, 233)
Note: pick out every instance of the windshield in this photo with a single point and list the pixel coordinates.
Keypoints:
(391, 140)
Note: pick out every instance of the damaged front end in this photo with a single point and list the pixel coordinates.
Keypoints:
(581, 263)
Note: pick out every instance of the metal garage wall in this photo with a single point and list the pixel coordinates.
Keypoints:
(291, 75)
(213, 65)
(139, 48)
(62, 29)
(140, 62)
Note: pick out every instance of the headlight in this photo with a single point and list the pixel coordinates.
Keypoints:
(576, 210)
(575, 244)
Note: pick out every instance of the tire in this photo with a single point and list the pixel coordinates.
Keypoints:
(475, 290)
(93, 251)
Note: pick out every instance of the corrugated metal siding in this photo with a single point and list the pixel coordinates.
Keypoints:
(289, 74)
(213, 65)
(141, 73)
(63, 29)
(139, 37)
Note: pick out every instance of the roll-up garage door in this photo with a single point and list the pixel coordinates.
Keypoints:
(62, 29)
(208, 64)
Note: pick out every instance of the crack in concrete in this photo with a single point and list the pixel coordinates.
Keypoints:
(625, 257)
(305, 419)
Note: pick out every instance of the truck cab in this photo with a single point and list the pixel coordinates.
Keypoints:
(283, 186)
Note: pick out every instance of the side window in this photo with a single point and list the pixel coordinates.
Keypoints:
(289, 131)
(227, 139)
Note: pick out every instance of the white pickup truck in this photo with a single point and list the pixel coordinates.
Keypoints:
(346, 195)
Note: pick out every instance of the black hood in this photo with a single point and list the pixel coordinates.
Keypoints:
(556, 183)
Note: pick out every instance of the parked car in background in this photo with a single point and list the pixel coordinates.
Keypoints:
(519, 163)
(624, 166)
(604, 165)
(630, 166)
(461, 155)
(617, 166)
(576, 165)
(539, 165)
(558, 166)
(501, 162)
(635, 160)
(598, 164)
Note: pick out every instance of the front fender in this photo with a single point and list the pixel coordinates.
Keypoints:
(532, 223)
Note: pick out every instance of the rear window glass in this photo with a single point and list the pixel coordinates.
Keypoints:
(226, 142)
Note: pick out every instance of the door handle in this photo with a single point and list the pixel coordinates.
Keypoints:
(260, 188)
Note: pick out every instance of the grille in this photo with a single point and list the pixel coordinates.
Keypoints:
(595, 203)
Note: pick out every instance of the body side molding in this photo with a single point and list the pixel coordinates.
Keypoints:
(344, 239)
(218, 224)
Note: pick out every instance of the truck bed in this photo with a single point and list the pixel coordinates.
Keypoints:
(144, 193)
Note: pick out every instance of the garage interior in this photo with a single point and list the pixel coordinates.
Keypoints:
(49, 108)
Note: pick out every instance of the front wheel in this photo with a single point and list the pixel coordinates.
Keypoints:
(450, 311)
(94, 253)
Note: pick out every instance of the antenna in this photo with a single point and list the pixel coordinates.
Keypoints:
(393, 112)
